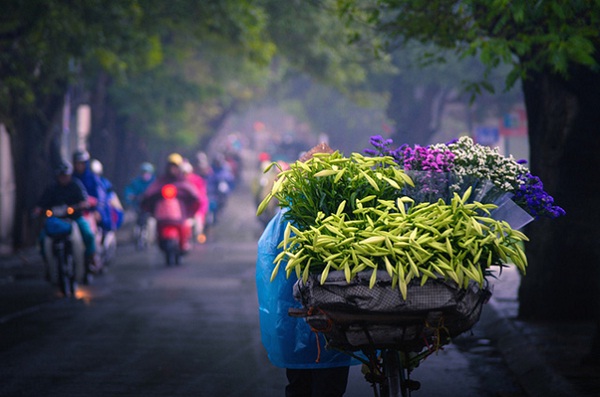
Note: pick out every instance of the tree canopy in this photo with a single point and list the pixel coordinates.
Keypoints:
(157, 74)
(136, 62)
(529, 36)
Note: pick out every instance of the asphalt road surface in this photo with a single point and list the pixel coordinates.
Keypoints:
(144, 329)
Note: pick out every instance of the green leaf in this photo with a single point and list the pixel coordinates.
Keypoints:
(373, 279)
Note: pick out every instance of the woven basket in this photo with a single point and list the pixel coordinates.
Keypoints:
(353, 316)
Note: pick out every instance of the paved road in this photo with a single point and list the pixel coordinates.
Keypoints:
(143, 329)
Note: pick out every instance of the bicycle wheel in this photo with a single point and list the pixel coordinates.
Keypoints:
(139, 237)
(70, 274)
(109, 247)
(393, 373)
(396, 369)
(144, 237)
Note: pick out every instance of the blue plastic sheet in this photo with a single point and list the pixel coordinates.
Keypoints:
(288, 340)
(55, 226)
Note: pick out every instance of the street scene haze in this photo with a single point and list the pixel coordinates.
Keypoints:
(301, 198)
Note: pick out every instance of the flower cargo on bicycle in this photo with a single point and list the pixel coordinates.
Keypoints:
(392, 249)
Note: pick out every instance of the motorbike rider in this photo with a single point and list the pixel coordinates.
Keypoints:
(92, 183)
(135, 189)
(115, 208)
(200, 184)
(69, 191)
(219, 182)
(203, 165)
(187, 194)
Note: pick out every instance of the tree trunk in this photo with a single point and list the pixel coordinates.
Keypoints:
(593, 357)
(35, 153)
(101, 142)
(562, 281)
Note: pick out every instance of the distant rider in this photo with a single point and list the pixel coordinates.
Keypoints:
(220, 182)
(115, 218)
(135, 190)
(187, 194)
(200, 184)
(92, 183)
(138, 185)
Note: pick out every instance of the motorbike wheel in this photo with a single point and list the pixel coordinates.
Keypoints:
(171, 258)
(70, 272)
(109, 248)
(171, 248)
(64, 281)
(140, 237)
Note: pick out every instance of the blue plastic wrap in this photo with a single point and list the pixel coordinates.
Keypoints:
(55, 226)
(288, 340)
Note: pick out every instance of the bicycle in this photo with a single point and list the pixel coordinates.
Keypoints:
(388, 364)
(392, 374)
(393, 338)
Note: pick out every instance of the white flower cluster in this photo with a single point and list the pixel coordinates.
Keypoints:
(482, 162)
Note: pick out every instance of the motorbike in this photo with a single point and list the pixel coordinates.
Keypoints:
(63, 249)
(107, 230)
(174, 228)
(143, 230)
(106, 243)
(106, 238)
(92, 217)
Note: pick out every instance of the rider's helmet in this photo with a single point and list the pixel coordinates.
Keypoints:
(146, 167)
(81, 156)
(175, 158)
(218, 161)
(187, 167)
(64, 168)
(96, 167)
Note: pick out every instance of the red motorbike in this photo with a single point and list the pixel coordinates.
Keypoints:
(170, 206)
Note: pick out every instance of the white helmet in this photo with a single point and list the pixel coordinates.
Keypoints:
(186, 167)
(96, 167)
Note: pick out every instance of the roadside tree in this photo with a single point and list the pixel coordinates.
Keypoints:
(553, 49)
(49, 48)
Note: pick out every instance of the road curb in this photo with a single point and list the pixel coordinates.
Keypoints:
(532, 372)
(23, 261)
